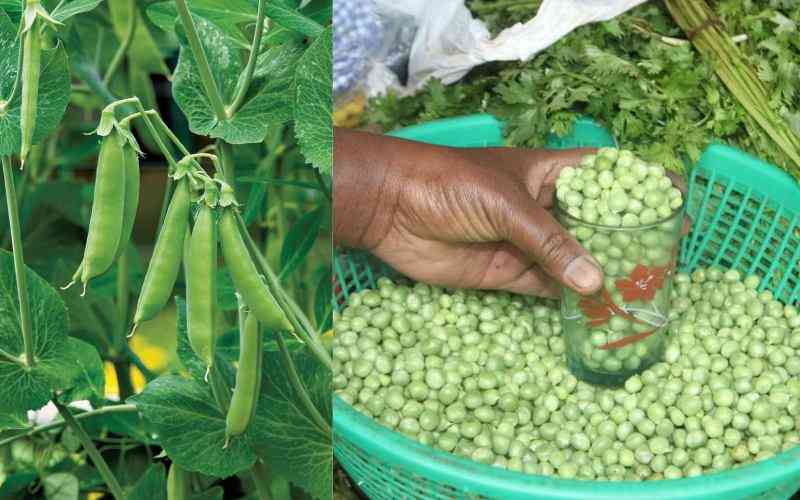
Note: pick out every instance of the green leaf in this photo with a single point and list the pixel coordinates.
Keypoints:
(66, 10)
(17, 420)
(215, 493)
(54, 90)
(269, 99)
(27, 389)
(313, 119)
(299, 241)
(323, 303)
(13, 8)
(61, 486)
(152, 485)
(191, 428)
(143, 51)
(84, 66)
(14, 483)
(298, 449)
(292, 19)
(89, 380)
(227, 16)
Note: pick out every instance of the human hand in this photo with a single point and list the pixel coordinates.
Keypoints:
(473, 218)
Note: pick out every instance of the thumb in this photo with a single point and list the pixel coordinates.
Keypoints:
(538, 234)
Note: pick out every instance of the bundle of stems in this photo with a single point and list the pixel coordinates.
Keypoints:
(696, 18)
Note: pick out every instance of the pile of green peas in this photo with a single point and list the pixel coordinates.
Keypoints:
(483, 375)
(615, 188)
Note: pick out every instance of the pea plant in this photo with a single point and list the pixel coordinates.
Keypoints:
(232, 101)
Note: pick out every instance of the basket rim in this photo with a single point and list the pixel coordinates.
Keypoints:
(396, 449)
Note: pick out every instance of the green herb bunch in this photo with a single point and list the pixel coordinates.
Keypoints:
(637, 74)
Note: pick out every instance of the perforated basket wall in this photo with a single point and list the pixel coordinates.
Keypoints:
(745, 217)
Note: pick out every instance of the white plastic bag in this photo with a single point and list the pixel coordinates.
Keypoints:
(449, 41)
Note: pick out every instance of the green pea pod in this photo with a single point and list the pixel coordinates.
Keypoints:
(105, 225)
(31, 70)
(248, 379)
(131, 201)
(201, 289)
(165, 263)
(178, 486)
(245, 276)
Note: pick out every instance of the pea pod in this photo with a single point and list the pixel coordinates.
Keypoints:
(131, 201)
(31, 70)
(245, 276)
(105, 225)
(248, 379)
(201, 290)
(166, 260)
(178, 486)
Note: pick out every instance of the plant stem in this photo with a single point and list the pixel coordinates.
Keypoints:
(91, 450)
(124, 382)
(19, 262)
(260, 475)
(126, 43)
(255, 48)
(106, 410)
(123, 296)
(297, 384)
(137, 362)
(225, 151)
(10, 358)
(210, 85)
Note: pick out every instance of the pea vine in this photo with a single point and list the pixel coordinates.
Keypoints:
(242, 150)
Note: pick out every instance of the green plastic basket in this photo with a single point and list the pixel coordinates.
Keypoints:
(732, 197)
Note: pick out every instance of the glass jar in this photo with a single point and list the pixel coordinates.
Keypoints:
(621, 330)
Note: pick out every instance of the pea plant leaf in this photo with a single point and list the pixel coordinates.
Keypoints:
(13, 421)
(65, 10)
(268, 101)
(191, 428)
(313, 94)
(28, 389)
(61, 486)
(13, 8)
(152, 485)
(143, 53)
(88, 372)
(227, 16)
(54, 90)
(299, 241)
(298, 448)
(283, 13)
(323, 305)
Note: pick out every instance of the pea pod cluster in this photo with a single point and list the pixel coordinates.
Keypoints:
(116, 200)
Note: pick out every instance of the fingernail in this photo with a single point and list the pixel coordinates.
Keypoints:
(584, 274)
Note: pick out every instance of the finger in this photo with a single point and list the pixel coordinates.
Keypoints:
(542, 167)
(510, 269)
(678, 180)
(534, 231)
